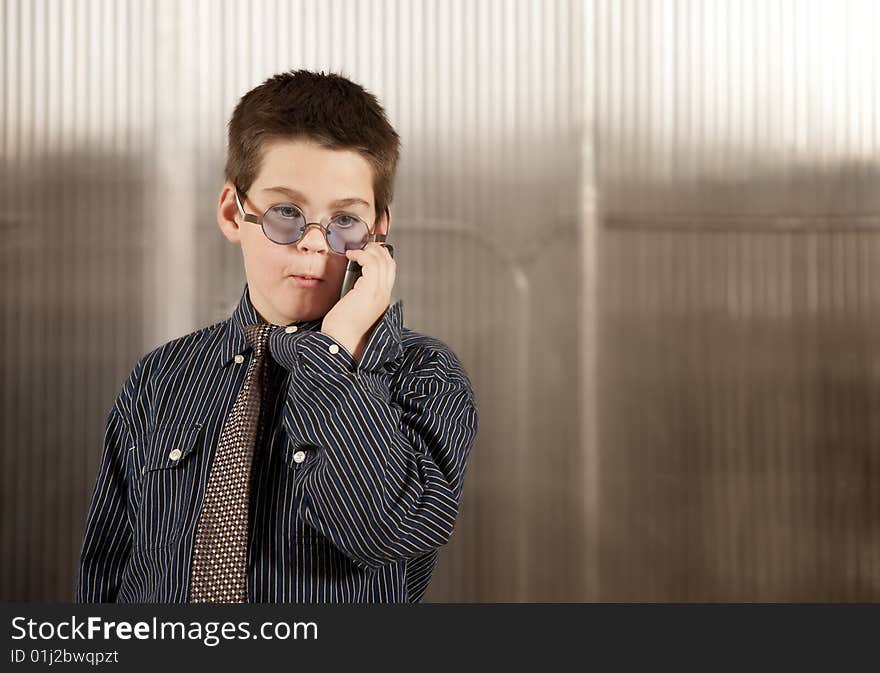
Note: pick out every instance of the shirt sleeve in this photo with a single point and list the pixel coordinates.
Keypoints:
(108, 537)
(387, 439)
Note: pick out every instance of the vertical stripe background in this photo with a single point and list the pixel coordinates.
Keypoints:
(738, 155)
(648, 229)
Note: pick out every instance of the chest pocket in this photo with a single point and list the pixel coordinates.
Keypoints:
(169, 483)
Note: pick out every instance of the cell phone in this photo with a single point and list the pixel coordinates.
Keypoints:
(353, 270)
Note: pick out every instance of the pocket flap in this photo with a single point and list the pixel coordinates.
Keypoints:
(171, 443)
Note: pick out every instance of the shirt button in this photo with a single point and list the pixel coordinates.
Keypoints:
(290, 329)
(299, 456)
(174, 454)
(239, 358)
(333, 348)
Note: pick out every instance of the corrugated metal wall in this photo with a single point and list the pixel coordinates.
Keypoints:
(738, 155)
(648, 228)
(75, 179)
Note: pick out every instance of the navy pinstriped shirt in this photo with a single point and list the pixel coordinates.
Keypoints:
(356, 480)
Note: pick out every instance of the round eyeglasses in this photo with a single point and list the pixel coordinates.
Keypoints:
(285, 224)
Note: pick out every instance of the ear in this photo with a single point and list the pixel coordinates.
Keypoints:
(227, 214)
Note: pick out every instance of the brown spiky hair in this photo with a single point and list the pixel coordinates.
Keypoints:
(328, 109)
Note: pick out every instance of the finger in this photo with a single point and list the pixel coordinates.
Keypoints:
(368, 249)
(362, 256)
(377, 248)
(385, 263)
(386, 253)
(371, 266)
(390, 264)
(365, 257)
(379, 254)
(377, 264)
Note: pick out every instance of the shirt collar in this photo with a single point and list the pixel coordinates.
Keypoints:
(234, 341)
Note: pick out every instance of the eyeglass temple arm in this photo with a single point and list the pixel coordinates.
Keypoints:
(380, 238)
(247, 217)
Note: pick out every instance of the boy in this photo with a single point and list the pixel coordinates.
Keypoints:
(309, 448)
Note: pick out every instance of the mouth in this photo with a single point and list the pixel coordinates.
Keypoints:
(306, 280)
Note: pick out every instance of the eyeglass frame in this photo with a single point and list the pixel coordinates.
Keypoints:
(323, 225)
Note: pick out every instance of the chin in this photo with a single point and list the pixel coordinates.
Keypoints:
(302, 308)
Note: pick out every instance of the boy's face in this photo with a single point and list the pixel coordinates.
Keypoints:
(318, 177)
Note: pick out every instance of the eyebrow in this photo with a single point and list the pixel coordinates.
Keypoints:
(299, 196)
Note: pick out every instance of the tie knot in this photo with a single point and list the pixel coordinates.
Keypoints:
(257, 335)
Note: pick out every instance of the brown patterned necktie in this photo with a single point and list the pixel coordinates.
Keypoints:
(219, 565)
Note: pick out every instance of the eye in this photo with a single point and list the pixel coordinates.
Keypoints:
(345, 221)
(287, 212)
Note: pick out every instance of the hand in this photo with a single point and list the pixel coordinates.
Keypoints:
(353, 317)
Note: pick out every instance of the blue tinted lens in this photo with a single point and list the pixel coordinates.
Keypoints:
(346, 232)
(284, 223)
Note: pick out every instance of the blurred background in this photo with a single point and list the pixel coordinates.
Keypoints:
(650, 229)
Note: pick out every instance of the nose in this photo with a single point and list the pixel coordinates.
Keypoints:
(313, 239)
